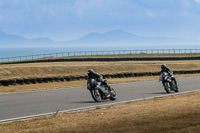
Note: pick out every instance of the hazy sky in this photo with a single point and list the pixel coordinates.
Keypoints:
(70, 19)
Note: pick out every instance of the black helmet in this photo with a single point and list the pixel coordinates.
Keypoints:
(163, 66)
(90, 71)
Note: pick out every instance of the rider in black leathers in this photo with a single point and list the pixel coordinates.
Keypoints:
(97, 77)
(166, 69)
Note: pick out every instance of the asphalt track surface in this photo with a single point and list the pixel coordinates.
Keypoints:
(14, 106)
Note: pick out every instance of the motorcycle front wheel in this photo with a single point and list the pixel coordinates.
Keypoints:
(113, 94)
(167, 87)
(174, 86)
(96, 95)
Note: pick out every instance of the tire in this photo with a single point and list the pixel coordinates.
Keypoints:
(113, 95)
(20, 81)
(45, 80)
(5, 82)
(33, 81)
(96, 95)
(27, 81)
(167, 87)
(39, 80)
(12, 82)
(175, 86)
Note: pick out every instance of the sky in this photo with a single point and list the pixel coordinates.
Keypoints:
(63, 20)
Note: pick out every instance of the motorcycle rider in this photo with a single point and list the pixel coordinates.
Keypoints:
(166, 69)
(97, 77)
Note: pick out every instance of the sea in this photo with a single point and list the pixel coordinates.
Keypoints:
(15, 52)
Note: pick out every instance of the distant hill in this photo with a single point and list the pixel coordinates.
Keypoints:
(9, 40)
(119, 37)
(111, 38)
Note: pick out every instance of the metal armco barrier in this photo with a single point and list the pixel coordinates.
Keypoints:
(108, 59)
(46, 57)
(74, 78)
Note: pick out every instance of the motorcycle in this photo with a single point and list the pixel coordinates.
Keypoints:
(100, 91)
(168, 82)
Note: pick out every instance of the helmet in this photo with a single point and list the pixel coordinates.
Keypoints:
(163, 66)
(90, 71)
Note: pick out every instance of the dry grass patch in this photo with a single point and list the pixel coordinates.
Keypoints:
(54, 69)
(173, 114)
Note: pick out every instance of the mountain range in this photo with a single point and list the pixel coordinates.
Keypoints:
(10, 40)
(111, 38)
(119, 37)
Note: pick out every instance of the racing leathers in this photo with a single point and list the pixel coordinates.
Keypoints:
(98, 78)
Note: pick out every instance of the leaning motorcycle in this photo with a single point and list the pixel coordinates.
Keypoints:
(100, 91)
(168, 83)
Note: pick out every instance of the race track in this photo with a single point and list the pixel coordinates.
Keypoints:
(15, 106)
